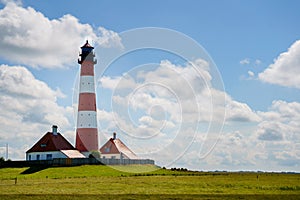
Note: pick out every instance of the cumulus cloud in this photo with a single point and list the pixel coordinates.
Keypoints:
(150, 101)
(286, 68)
(175, 101)
(272, 139)
(237, 111)
(270, 131)
(145, 89)
(28, 106)
(125, 82)
(288, 158)
(108, 38)
(280, 122)
(191, 97)
(30, 38)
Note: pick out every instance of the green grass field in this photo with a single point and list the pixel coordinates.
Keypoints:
(103, 182)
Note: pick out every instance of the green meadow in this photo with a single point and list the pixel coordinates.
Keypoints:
(103, 182)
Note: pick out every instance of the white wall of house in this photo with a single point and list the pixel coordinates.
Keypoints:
(111, 155)
(48, 155)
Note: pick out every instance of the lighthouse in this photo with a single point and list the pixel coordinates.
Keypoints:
(86, 129)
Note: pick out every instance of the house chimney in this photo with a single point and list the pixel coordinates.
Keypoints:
(54, 130)
(114, 135)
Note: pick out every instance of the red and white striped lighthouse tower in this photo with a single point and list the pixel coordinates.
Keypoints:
(87, 132)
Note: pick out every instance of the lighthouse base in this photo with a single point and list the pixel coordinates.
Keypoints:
(87, 139)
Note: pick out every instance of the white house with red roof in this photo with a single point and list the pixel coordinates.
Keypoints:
(115, 148)
(52, 145)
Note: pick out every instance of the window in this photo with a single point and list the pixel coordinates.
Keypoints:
(29, 157)
(49, 156)
(38, 157)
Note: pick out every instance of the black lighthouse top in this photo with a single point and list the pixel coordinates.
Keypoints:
(87, 53)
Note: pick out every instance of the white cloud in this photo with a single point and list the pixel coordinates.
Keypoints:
(108, 38)
(237, 111)
(286, 68)
(270, 131)
(277, 134)
(28, 106)
(257, 62)
(288, 158)
(30, 38)
(125, 82)
(280, 122)
(18, 81)
(251, 74)
(191, 97)
(245, 61)
(274, 139)
(18, 2)
(158, 87)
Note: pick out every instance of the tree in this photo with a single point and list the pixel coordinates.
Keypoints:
(95, 154)
(2, 161)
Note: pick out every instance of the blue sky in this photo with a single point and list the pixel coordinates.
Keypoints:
(254, 45)
(229, 30)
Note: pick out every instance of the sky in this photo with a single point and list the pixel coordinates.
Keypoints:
(205, 85)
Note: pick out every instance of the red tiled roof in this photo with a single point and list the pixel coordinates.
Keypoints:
(124, 149)
(51, 142)
(109, 147)
(115, 146)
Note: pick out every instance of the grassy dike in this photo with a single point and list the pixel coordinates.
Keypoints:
(103, 182)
